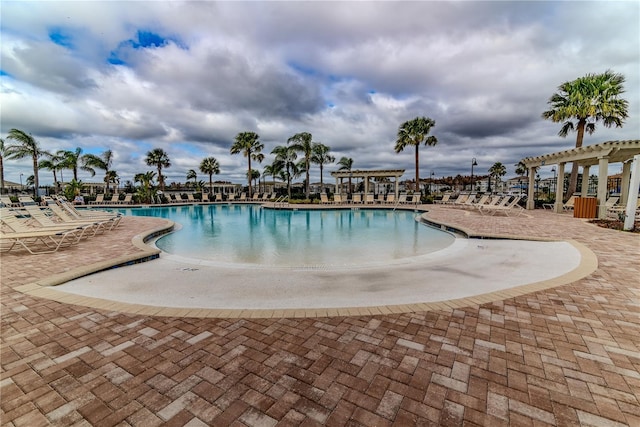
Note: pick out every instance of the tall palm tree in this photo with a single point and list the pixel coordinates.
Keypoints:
(497, 171)
(102, 162)
(2, 154)
(301, 142)
(346, 163)
(210, 166)
(286, 156)
(415, 132)
(26, 146)
(160, 159)
(321, 156)
(248, 143)
(74, 160)
(581, 103)
(255, 176)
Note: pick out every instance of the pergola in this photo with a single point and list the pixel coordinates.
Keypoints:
(587, 156)
(365, 175)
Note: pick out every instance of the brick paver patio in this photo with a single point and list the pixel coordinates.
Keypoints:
(564, 356)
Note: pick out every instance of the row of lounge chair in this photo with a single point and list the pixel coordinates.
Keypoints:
(370, 199)
(45, 229)
(486, 204)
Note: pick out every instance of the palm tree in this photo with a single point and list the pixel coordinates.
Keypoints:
(102, 162)
(301, 142)
(581, 103)
(521, 168)
(321, 157)
(286, 156)
(146, 191)
(191, 174)
(346, 163)
(210, 166)
(111, 177)
(74, 160)
(160, 159)
(272, 170)
(248, 143)
(414, 132)
(26, 146)
(255, 176)
(497, 171)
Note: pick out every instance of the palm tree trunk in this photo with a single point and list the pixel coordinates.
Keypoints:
(321, 183)
(210, 184)
(417, 171)
(36, 182)
(249, 174)
(573, 180)
(1, 176)
(307, 189)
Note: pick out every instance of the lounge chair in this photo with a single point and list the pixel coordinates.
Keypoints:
(178, 198)
(66, 210)
(26, 201)
(324, 200)
(391, 199)
(477, 203)
(218, 197)
(98, 201)
(337, 199)
(256, 197)
(38, 241)
(190, 198)
(8, 203)
(444, 199)
(42, 221)
(128, 199)
(243, 197)
(616, 211)
(508, 209)
(369, 199)
(356, 198)
(402, 199)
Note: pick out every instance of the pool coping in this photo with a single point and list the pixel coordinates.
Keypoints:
(42, 288)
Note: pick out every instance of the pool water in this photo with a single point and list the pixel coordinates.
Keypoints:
(249, 234)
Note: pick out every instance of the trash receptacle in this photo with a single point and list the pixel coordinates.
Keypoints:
(585, 207)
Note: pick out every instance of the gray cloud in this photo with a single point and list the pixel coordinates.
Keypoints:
(348, 72)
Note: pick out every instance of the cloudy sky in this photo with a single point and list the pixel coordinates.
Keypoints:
(187, 77)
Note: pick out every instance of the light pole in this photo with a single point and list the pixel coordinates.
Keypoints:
(431, 182)
(21, 186)
(473, 163)
(553, 169)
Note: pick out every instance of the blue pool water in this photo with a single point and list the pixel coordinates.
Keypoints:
(249, 234)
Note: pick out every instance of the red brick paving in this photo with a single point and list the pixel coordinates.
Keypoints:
(564, 356)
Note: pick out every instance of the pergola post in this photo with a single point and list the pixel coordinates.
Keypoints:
(624, 185)
(531, 190)
(559, 188)
(603, 167)
(366, 185)
(584, 189)
(629, 220)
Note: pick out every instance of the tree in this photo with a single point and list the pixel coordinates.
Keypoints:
(521, 168)
(210, 166)
(497, 171)
(301, 142)
(26, 146)
(414, 132)
(321, 156)
(102, 162)
(160, 159)
(248, 143)
(255, 176)
(146, 191)
(286, 156)
(191, 174)
(74, 160)
(111, 177)
(346, 163)
(272, 170)
(581, 103)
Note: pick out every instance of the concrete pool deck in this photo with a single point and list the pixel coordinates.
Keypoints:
(563, 355)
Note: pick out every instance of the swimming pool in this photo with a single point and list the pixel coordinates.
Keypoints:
(250, 234)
